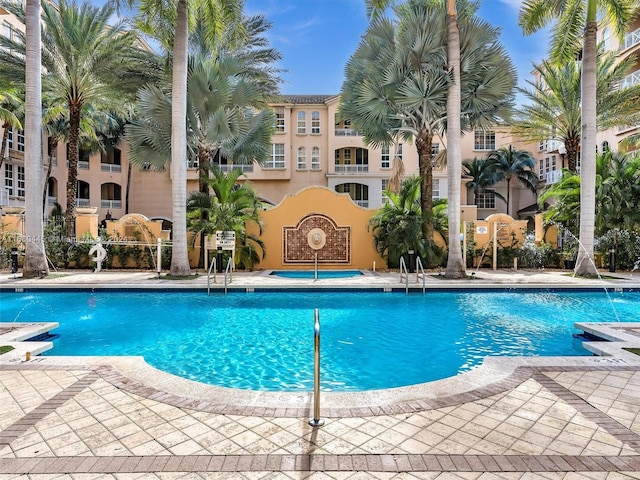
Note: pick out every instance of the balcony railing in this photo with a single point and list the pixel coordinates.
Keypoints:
(83, 165)
(631, 80)
(630, 39)
(110, 167)
(362, 203)
(53, 160)
(360, 168)
(4, 197)
(553, 145)
(553, 176)
(347, 132)
(83, 202)
(243, 167)
(51, 200)
(111, 203)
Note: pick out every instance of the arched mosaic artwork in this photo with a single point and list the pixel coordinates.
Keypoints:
(316, 234)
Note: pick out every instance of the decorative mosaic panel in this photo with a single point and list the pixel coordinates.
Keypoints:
(319, 234)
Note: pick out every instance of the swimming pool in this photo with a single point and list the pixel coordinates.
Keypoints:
(264, 341)
(322, 274)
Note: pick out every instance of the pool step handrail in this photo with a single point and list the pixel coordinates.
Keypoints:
(315, 268)
(420, 273)
(229, 271)
(404, 274)
(316, 421)
(213, 265)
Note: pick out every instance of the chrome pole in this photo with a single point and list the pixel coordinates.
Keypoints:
(315, 267)
(316, 421)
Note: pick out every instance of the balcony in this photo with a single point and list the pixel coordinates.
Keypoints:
(631, 80)
(359, 168)
(555, 145)
(553, 176)
(362, 203)
(83, 202)
(111, 204)
(110, 167)
(347, 132)
(83, 165)
(630, 39)
(243, 167)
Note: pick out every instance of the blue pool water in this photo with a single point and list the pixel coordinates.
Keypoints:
(321, 273)
(264, 341)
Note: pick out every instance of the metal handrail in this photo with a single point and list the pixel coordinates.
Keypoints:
(229, 270)
(405, 275)
(420, 273)
(213, 265)
(316, 421)
(315, 268)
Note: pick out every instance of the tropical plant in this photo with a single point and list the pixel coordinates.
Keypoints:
(508, 163)
(553, 103)
(570, 18)
(88, 62)
(397, 82)
(482, 177)
(228, 208)
(11, 109)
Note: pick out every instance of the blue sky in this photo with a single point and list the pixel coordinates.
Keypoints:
(317, 37)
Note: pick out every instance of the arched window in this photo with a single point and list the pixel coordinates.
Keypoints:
(83, 199)
(302, 123)
(110, 195)
(605, 146)
(315, 123)
(315, 158)
(302, 159)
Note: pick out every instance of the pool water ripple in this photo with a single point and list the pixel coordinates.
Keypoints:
(264, 341)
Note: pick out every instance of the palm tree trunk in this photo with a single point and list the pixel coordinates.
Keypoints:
(423, 144)
(585, 264)
(35, 260)
(572, 155)
(509, 196)
(72, 175)
(455, 266)
(179, 256)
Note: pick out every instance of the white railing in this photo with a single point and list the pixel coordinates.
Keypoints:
(83, 165)
(631, 80)
(53, 160)
(553, 176)
(4, 196)
(110, 167)
(362, 203)
(111, 203)
(361, 168)
(244, 167)
(553, 145)
(347, 132)
(83, 202)
(51, 200)
(630, 39)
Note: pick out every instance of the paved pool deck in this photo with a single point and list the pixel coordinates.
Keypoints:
(511, 418)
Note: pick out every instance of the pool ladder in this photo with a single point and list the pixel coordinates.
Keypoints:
(404, 274)
(228, 272)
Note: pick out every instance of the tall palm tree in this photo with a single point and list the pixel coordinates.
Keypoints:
(87, 60)
(35, 262)
(397, 82)
(170, 24)
(553, 102)
(507, 163)
(572, 16)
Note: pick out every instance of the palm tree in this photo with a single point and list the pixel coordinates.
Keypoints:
(553, 107)
(11, 109)
(229, 207)
(170, 24)
(508, 163)
(482, 177)
(88, 61)
(35, 262)
(572, 16)
(397, 82)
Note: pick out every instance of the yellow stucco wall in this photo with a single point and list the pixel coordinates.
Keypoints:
(318, 201)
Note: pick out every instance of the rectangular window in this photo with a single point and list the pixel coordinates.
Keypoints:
(7, 30)
(547, 165)
(315, 158)
(20, 140)
(279, 119)
(541, 170)
(435, 149)
(399, 151)
(541, 146)
(277, 156)
(315, 123)
(8, 178)
(385, 185)
(20, 181)
(347, 156)
(302, 123)
(385, 158)
(436, 190)
(302, 159)
(10, 139)
(554, 165)
(486, 199)
(484, 140)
